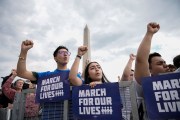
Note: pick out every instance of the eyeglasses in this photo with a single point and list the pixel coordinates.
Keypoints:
(64, 53)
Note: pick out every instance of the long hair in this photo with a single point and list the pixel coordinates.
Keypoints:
(88, 80)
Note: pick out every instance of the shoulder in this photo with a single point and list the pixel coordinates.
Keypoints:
(49, 73)
(177, 70)
(43, 74)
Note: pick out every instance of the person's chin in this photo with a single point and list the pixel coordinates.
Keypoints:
(65, 63)
(98, 79)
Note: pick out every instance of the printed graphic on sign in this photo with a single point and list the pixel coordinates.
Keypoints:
(162, 96)
(53, 88)
(101, 102)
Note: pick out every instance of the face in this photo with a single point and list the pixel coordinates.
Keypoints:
(158, 65)
(32, 85)
(171, 68)
(19, 84)
(95, 72)
(62, 57)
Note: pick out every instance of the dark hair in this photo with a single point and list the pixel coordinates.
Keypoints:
(89, 80)
(176, 61)
(3, 99)
(58, 48)
(25, 86)
(155, 54)
(5, 79)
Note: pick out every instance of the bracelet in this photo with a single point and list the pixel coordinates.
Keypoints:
(21, 58)
(78, 56)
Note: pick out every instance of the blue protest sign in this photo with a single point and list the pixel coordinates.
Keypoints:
(162, 96)
(53, 88)
(101, 102)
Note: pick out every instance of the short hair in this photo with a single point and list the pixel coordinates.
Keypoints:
(17, 81)
(58, 48)
(155, 54)
(176, 61)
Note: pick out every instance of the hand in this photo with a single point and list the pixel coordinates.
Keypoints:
(153, 27)
(31, 86)
(132, 57)
(26, 45)
(92, 84)
(82, 50)
(14, 73)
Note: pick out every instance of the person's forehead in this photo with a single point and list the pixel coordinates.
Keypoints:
(157, 59)
(20, 81)
(62, 49)
(94, 64)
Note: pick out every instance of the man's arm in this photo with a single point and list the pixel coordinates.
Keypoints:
(74, 69)
(141, 64)
(21, 65)
(127, 69)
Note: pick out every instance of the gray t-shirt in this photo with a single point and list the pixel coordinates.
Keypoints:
(177, 70)
(139, 93)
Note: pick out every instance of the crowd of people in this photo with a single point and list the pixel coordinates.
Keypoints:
(146, 64)
(10, 89)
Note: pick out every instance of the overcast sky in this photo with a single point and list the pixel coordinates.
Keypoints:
(116, 30)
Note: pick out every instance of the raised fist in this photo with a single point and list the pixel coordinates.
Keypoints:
(26, 45)
(153, 27)
(14, 73)
(132, 56)
(82, 50)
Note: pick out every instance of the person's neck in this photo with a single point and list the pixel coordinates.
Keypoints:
(62, 67)
(18, 90)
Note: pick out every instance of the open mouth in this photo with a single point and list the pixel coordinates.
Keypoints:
(98, 74)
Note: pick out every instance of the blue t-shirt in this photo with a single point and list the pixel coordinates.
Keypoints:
(54, 110)
(38, 75)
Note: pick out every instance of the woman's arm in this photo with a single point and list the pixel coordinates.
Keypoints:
(74, 69)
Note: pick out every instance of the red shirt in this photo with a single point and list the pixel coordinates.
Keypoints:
(7, 90)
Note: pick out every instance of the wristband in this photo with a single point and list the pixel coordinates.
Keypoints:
(78, 56)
